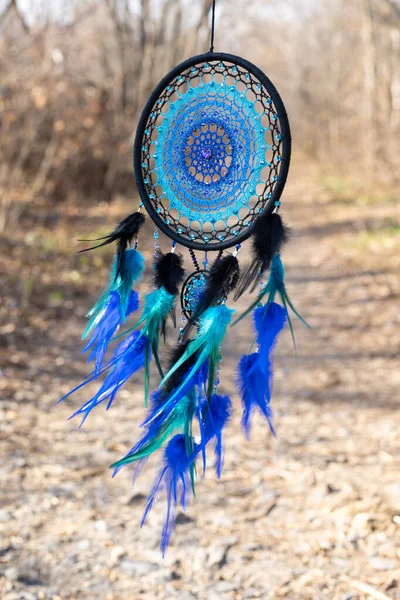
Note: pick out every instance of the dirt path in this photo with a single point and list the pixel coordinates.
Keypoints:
(313, 515)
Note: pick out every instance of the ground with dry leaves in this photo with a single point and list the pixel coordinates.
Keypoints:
(312, 515)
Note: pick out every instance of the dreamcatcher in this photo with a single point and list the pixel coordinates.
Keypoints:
(211, 158)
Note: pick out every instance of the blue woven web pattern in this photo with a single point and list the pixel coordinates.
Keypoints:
(211, 152)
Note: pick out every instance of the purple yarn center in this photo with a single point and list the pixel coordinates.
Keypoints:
(206, 153)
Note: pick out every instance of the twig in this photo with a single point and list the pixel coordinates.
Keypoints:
(365, 588)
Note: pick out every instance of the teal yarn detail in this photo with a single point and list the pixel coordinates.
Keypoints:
(212, 150)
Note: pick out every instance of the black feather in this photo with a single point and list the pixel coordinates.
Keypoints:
(222, 279)
(125, 231)
(128, 228)
(169, 272)
(123, 234)
(177, 352)
(269, 235)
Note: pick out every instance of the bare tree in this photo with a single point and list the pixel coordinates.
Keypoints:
(73, 84)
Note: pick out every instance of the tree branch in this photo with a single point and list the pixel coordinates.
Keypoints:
(12, 7)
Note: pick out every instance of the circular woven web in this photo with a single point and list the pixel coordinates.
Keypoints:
(210, 146)
(191, 292)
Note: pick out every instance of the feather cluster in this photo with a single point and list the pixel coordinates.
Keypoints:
(105, 326)
(186, 393)
(276, 286)
(125, 232)
(175, 478)
(221, 280)
(254, 377)
(181, 452)
(129, 357)
(269, 235)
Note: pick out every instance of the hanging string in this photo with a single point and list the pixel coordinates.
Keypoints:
(194, 259)
(212, 27)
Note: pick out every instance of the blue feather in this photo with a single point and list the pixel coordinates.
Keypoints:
(175, 478)
(205, 347)
(157, 306)
(214, 416)
(253, 381)
(269, 320)
(255, 370)
(107, 325)
(274, 286)
(129, 357)
(132, 269)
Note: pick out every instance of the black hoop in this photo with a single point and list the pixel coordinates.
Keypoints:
(282, 149)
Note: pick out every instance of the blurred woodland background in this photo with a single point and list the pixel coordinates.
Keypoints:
(75, 75)
(314, 515)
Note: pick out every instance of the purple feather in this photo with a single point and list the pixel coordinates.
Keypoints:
(129, 358)
(175, 478)
(108, 326)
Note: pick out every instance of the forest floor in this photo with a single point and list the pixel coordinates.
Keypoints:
(313, 515)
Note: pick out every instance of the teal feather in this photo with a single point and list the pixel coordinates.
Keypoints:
(157, 306)
(177, 421)
(131, 271)
(206, 347)
(275, 285)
